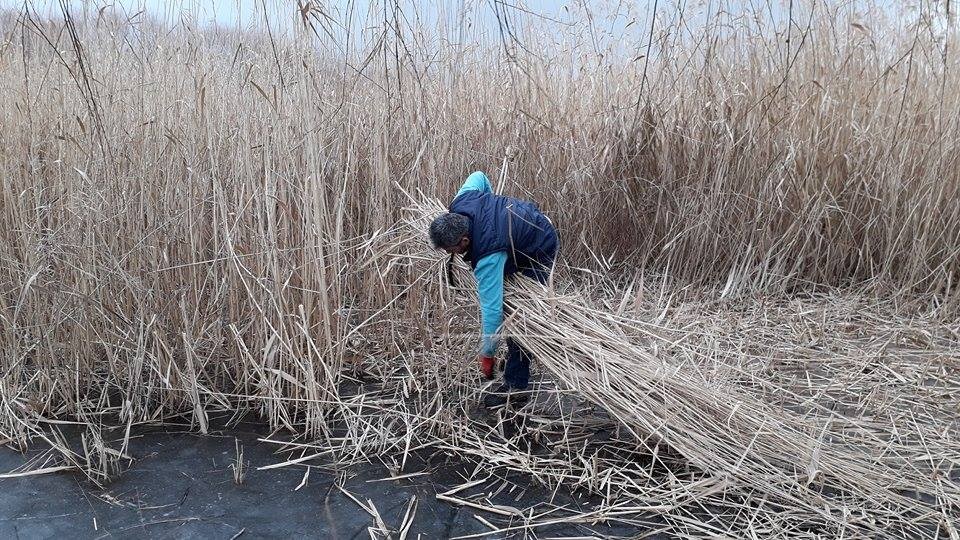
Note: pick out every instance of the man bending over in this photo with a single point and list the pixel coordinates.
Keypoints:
(499, 236)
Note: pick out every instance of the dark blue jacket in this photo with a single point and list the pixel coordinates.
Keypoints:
(515, 226)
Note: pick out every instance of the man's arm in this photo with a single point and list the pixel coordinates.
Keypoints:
(489, 274)
(477, 181)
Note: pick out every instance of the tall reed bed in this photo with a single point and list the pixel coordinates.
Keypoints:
(187, 213)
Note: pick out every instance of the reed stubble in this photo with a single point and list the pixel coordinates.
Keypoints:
(192, 221)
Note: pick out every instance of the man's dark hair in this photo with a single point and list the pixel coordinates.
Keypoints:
(447, 230)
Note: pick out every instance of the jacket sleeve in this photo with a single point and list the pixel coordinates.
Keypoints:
(489, 274)
(477, 181)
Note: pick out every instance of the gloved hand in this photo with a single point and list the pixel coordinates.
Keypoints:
(486, 366)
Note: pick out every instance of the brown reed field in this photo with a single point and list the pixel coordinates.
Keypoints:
(753, 330)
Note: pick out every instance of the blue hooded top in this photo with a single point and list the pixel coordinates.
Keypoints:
(506, 235)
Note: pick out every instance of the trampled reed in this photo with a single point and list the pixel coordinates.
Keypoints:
(193, 219)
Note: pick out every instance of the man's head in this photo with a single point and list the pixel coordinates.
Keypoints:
(451, 233)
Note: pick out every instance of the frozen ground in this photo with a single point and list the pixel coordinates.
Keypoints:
(181, 486)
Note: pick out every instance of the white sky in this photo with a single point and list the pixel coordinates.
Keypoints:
(612, 18)
(224, 12)
(479, 18)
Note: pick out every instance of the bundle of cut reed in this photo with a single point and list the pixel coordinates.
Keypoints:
(804, 466)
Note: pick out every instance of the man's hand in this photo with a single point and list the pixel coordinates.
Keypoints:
(486, 366)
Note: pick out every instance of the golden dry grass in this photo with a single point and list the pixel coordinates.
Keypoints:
(194, 220)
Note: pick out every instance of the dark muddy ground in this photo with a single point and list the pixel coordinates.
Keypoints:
(181, 485)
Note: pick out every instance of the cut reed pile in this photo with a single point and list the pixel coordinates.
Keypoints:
(800, 456)
(191, 221)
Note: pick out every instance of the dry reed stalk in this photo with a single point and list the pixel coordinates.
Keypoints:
(182, 180)
(822, 466)
(189, 222)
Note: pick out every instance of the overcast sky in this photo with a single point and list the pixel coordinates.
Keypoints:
(224, 12)
(245, 12)
(478, 17)
(615, 19)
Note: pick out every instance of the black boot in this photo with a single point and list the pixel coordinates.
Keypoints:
(505, 395)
